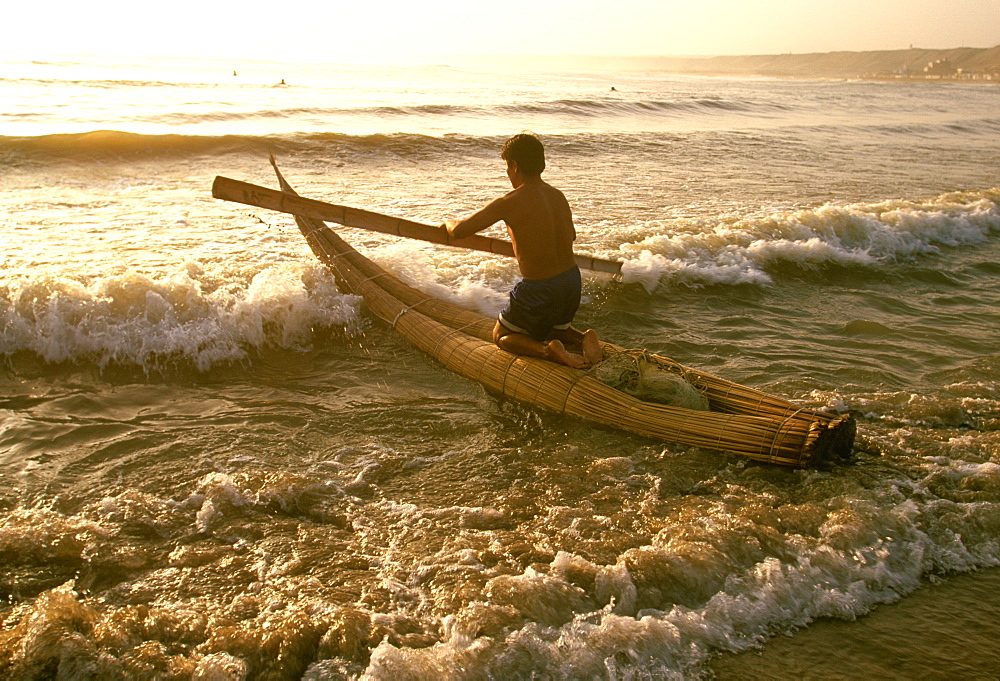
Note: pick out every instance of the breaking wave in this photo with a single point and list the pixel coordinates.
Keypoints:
(750, 251)
(182, 318)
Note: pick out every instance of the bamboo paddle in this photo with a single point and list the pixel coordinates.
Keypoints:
(272, 199)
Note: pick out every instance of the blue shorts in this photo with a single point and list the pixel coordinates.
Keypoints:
(537, 306)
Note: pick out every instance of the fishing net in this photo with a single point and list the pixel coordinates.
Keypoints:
(644, 376)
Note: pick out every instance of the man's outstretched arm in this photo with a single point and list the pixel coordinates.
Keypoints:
(487, 216)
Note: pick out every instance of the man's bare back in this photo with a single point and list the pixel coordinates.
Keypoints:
(539, 222)
(540, 225)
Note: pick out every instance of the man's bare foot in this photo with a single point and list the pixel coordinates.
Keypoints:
(557, 352)
(592, 351)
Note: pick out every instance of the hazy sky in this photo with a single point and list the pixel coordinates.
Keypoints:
(348, 30)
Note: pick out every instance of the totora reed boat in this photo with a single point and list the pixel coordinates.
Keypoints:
(731, 417)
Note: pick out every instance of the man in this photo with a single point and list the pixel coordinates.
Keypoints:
(537, 321)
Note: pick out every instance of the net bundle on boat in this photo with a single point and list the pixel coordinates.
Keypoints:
(649, 378)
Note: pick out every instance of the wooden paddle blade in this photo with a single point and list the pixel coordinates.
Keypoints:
(272, 199)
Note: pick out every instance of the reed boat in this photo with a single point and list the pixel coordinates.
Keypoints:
(735, 418)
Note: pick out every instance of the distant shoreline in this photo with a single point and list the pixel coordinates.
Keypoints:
(987, 78)
(911, 64)
(961, 64)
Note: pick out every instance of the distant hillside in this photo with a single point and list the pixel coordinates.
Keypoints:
(834, 64)
(817, 65)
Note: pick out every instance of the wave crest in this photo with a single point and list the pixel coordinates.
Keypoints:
(131, 318)
(746, 251)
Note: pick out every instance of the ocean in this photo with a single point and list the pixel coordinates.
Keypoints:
(215, 464)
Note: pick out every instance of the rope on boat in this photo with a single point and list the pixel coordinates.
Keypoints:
(459, 329)
(569, 390)
(405, 309)
(777, 432)
(335, 256)
(367, 279)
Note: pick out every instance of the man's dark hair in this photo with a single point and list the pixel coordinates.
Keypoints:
(526, 151)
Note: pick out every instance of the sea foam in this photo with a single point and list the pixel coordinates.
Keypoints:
(189, 316)
(749, 250)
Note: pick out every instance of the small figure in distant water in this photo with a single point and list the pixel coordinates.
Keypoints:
(537, 320)
(613, 89)
(282, 82)
(234, 73)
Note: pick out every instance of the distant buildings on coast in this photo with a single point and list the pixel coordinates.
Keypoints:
(939, 69)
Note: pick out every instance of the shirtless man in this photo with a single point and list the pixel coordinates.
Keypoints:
(537, 321)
